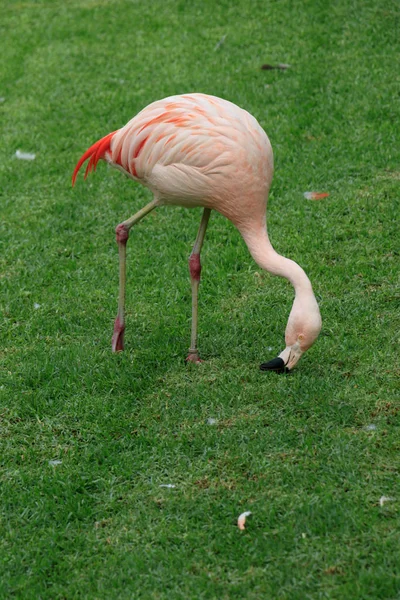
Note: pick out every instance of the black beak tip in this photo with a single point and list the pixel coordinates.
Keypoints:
(276, 364)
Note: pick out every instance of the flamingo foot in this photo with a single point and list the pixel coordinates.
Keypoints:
(118, 336)
(193, 357)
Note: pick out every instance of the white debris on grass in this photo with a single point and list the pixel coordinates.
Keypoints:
(242, 519)
(36, 306)
(371, 427)
(55, 462)
(167, 485)
(221, 41)
(211, 421)
(25, 155)
(2, 99)
(384, 499)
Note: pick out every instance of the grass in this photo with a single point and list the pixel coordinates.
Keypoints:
(296, 450)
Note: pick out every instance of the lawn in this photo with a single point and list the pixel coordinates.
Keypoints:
(88, 437)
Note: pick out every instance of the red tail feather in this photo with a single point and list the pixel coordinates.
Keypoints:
(95, 153)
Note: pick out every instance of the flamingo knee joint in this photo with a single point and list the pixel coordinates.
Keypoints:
(121, 233)
(195, 266)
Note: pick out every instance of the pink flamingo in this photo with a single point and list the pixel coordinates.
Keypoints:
(199, 150)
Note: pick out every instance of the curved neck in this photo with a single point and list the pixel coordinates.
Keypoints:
(267, 258)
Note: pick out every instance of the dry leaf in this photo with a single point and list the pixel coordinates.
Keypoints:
(242, 519)
(280, 66)
(315, 195)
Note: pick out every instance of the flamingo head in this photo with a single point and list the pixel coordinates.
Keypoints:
(303, 328)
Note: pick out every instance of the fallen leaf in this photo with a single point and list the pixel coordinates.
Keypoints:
(280, 66)
(242, 520)
(315, 195)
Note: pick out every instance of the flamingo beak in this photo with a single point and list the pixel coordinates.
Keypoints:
(276, 364)
(285, 362)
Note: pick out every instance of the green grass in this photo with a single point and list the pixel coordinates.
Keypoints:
(294, 450)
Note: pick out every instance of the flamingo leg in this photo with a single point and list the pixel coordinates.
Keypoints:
(195, 270)
(122, 235)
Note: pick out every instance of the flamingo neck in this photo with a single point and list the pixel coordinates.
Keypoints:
(267, 258)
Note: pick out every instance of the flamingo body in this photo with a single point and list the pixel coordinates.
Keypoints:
(189, 150)
(199, 150)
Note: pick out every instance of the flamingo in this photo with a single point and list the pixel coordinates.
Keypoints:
(196, 150)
